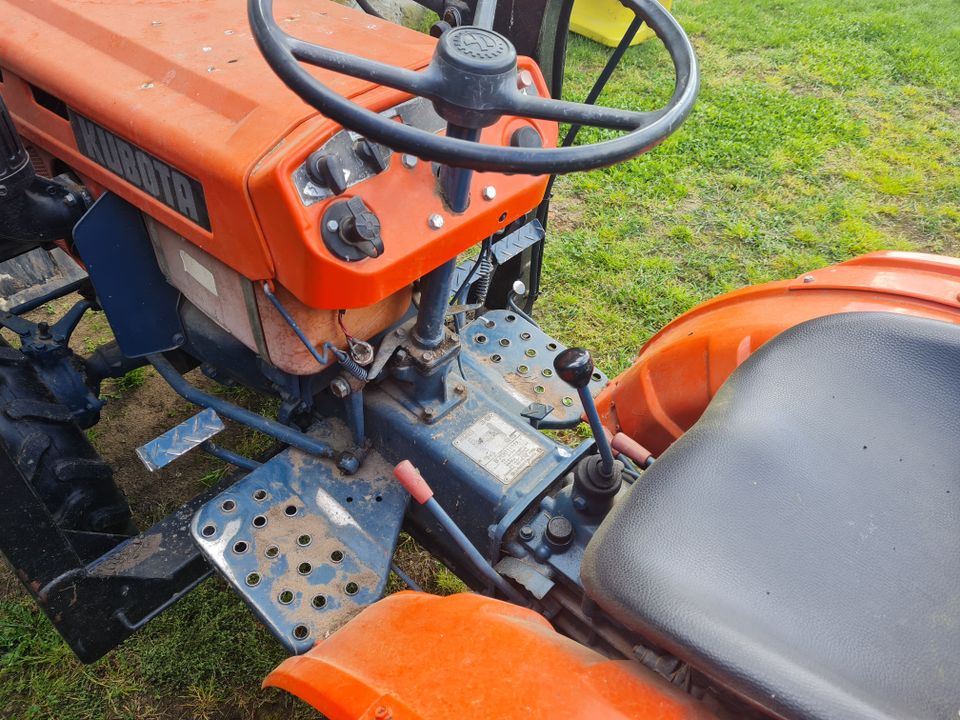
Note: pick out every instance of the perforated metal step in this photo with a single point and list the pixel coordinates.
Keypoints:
(305, 546)
(518, 357)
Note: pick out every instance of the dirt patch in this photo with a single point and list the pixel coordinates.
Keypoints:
(567, 212)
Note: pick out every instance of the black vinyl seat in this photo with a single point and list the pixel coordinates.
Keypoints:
(801, 543)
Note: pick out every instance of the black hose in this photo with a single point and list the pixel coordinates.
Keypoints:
(369, 9)
(615, 57)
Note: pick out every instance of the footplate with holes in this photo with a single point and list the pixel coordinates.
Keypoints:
(306, 547)
(518, 357)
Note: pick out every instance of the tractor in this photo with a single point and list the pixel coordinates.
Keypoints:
(349, 215)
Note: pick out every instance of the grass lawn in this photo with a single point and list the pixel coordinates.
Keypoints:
(824, 130)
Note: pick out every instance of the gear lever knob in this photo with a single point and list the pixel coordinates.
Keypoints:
(574, 366)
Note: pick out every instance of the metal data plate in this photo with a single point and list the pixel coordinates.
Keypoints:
(304, 546)
(519, 357)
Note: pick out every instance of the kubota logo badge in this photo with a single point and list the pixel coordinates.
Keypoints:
(161, 181)
(478, 44)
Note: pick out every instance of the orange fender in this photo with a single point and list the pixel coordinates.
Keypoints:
(681, 368)
(413, 656)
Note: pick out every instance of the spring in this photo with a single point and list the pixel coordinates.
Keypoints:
(351, 365)
(482, 285)
(346, 362)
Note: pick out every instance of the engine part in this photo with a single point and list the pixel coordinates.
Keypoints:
(34, 211)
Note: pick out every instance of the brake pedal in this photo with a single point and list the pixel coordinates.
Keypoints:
(306, 547)
(180, 440)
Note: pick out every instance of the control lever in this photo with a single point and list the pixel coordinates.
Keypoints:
(596, 480)
(575, 368)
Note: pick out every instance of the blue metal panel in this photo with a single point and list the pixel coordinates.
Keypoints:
(140, 305)
(305, 546)
(511, 353)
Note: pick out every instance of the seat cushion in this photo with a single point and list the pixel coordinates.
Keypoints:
(801, 543)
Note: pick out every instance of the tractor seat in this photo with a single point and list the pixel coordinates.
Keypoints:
(801, 543)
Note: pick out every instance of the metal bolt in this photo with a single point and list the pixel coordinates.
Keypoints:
(382, 713)
(808, 278)
(524, 79)
(435, 221)
(408, 161)
(580, 503)
(427, 356)
(399, 332)
(519, 288)
(333, 226)
(459, 389)
(428, 414)
(526, 532)
(489, 192)
(340, 387)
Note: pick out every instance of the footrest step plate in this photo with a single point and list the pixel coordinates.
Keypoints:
(305, 546)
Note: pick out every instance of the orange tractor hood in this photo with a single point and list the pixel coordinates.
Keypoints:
(185, 82)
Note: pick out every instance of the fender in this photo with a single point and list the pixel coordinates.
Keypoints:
(680, 368)
(414, 656)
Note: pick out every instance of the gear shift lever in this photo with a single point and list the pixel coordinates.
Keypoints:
(596, 482)
(575, 367)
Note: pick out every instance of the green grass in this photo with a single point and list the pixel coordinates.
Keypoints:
(823, 130)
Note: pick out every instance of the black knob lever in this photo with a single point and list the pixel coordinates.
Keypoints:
(575, 367)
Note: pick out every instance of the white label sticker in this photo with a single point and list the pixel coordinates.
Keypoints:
(198, 272)
(498, 447)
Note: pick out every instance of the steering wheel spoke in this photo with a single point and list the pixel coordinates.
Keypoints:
(579, 113)
(411, 81)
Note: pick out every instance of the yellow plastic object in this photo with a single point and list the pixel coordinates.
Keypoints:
(606, 20)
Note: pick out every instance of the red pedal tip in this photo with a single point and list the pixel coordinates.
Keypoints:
(413, 481)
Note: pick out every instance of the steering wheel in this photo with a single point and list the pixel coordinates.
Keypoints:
(472, 81)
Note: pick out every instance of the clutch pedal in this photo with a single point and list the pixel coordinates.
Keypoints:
(305, 546)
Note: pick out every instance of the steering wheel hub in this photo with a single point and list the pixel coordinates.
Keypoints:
(477, 51)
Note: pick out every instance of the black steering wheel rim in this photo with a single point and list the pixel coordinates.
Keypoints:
(284, 54)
